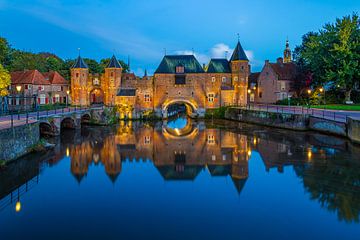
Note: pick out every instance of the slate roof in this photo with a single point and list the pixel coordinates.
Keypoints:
(239, 53)
(253, 79)
(189, 62)
(127, 92)
(80, 63)
(28, 77)
(114, 63)
(285, 71)
(219, 66)
(219, 170)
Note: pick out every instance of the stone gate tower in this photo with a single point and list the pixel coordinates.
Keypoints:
(111, 81)
(79, 82)
(240, 70)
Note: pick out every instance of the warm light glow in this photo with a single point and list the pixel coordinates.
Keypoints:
(249, 91)
(309, 154)
(67, 92)
(321, 90)
(255, 141)
(249, 152)
(18, 206)
(18, 88)
(254, 87)
(67, 152)
(309, 91)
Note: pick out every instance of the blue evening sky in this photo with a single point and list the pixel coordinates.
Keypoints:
(144, 28)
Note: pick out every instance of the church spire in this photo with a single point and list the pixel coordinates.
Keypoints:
(287, 52)
(239, 53)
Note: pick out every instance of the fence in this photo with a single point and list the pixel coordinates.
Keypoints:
(338, 116)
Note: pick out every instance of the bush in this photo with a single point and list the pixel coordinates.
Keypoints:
(216, 113)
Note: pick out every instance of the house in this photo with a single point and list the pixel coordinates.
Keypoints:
(47, 88)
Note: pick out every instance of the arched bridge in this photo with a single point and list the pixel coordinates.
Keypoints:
(52, 124)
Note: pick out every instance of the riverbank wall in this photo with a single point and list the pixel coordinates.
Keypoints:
(18, 141)
(298, 122)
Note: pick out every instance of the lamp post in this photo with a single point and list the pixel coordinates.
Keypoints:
(322, 90)
(18, 89)
(309, 92)
(67, 98)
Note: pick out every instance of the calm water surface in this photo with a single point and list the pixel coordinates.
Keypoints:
(184, 179)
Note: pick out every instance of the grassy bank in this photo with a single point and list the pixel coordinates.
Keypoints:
(354, 107)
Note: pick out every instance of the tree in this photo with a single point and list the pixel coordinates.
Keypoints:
(5, 81)
(333, 55)
(5, 51)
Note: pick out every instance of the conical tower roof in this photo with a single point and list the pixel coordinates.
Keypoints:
(239, 53)
(80, 63)
(114, 63)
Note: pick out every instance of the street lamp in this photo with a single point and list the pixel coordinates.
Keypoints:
(67, 98)
(322, 90)
(18, 89)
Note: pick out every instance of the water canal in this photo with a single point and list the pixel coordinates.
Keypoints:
(184, 179)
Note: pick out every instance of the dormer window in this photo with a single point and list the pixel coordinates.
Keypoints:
(179, 69)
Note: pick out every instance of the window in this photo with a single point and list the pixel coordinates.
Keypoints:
(213, 79)
(211, 97)
(77, 75)
(147, 97)
(26, 87)
(57, 98)
(179, 69)
(224, 157)
(180, 80)
(260, 94)
(41, 88)
(111, 74)
(62, 88)
(223, 79)
(282, 85)
(236, 79)
(147, 139)
(213, 157)
(96, 81)
(42, 99)
(210, 139)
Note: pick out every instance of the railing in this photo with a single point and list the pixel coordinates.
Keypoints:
(20, 118)
(338, 116)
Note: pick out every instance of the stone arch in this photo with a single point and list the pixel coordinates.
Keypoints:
(96, 96)
(46, 129)
(85, 119)
(68, 123)
(191, 107)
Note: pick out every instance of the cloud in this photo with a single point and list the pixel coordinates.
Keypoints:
(221, 50)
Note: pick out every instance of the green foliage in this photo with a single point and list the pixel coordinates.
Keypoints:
(5, 81)
(217, 113)
(18, 60)
(333, 54)
(5, 52)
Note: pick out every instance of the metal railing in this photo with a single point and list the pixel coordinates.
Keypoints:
(338, 116)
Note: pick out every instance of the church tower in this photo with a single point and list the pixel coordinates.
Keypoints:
(79, 80)
(240, 70)
(112, 81)
(287, 52)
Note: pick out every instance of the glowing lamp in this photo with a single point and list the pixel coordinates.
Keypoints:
(249, 91)
(18, 88)
(18, 206)
(309, 91)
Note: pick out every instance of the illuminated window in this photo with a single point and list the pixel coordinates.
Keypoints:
(147, 139)
(213, 79)
(211, 97)
(224, 157)
(211, 139)
(179, 69)
(147, 97)
(223, 79)
(213, 157)
(236, 79)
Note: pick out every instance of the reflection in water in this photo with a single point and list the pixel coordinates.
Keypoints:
(181, 150)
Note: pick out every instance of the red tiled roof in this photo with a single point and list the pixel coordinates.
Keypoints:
(55, 78)
(28, 77)
(285, 71)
